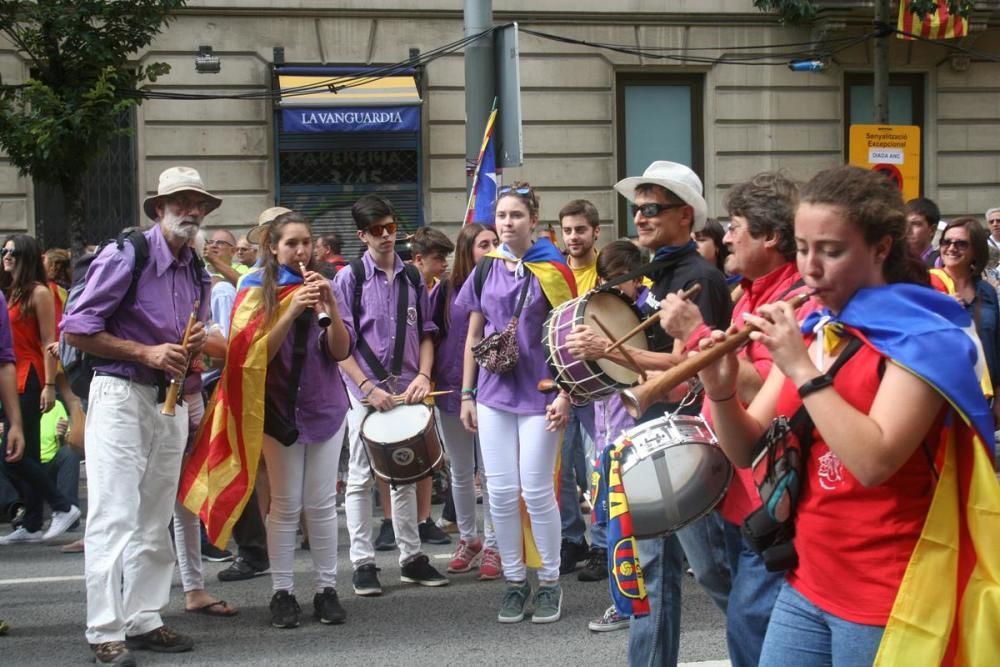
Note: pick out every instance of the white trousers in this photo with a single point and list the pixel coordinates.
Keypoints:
(358, 500)
(463, 453)
(303, 484)
(133, 465)
(187, 525)
(520, 458)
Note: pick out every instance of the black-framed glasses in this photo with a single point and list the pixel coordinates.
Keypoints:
(379, 230)
(10, 252)
(653, 209)
(521, 190)
(959, 244)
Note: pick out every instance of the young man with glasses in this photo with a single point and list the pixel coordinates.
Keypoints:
(384, 280)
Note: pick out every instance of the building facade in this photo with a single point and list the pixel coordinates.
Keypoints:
(651, 80)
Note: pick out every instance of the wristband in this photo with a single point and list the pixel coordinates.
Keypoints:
(362, 384)
(470, 391)
(425, 375)
(468, 397)
(369, 393)
(722, 400)
(811, 386)
(50, 384)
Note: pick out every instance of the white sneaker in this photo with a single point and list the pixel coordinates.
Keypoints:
(22, 536)
(61, 521)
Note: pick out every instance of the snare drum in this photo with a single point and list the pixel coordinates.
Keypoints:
(674, 473)
(402, 444)
(587, 381)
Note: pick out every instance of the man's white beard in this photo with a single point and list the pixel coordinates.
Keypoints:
(174, 224)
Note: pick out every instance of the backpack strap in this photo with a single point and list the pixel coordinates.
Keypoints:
(801, 423)
(358, 269)
(480, 274)
(441, 307)
(402, 305)
(413, 273)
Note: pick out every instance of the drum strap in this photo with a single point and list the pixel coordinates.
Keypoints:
(402, 304)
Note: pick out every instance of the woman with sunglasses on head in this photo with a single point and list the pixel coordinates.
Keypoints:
(474, 242)
(276, 342)
(883, 408)
(518, 426)
(32, 311)
(964, 253)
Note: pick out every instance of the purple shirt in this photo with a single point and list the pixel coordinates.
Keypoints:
(450, 353)
(377, 324)
(610, 421)
(517, 390)
(321, 404)
(6, 338)
(164, 297)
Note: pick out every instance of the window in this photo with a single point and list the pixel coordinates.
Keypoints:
(110, 196)
(659, 118)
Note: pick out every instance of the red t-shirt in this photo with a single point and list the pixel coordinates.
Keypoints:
(854, 542)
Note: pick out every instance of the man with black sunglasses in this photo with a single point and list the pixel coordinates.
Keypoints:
(667, 206)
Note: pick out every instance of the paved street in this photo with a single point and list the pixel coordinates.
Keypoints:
(42, 597)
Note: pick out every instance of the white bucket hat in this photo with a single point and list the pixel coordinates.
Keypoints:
(677, 178)
(263, 220)
(179, 179)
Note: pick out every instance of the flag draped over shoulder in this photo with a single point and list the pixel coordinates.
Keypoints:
(941, 281)
(947, 608)
(484, 178)
(219, 476)
(628, 589)
(545, 261)
(939, 24)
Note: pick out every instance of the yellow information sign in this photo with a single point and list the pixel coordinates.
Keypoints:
(893, 150)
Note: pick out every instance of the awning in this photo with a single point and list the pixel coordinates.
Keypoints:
(311, 87)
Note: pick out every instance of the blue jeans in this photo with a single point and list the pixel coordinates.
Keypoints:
(802, 634)
(704, 543)
(654, 639)
(753, 593)
(64, 470)
(573, 471)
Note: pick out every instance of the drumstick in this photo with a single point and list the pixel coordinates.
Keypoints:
(652, 319)
(547, 386)
(322, 318)
(628, 357)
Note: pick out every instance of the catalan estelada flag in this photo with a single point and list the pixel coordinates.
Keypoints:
(947, 609)
(483, 194)
(939, 24)
(628, 589)
(219, 476)
(545, 261)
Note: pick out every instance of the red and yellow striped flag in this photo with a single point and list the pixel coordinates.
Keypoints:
(941, 24)
(219, 476)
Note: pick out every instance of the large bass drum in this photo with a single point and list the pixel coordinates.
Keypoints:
(587, 381)
(674, 473)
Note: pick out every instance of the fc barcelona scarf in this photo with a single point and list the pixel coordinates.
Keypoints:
(628, 590)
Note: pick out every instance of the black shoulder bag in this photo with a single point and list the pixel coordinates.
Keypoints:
(780, 462)
(280, 426)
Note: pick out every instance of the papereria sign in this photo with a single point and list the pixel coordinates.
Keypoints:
(352, 119)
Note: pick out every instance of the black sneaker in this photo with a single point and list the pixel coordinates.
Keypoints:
(214, 554)
(420, 571)
(284, 610)
(431, 534)
(326, 607)
(570, 554)
(386, 540)
(241, 570)
(366, 582)
(596, 568)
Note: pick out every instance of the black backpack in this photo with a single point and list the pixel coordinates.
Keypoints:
(79, 366)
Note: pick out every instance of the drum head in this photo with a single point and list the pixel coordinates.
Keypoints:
(617, 314)
(396, 425)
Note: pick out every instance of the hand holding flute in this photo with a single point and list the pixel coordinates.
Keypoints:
(194, 338)
(322, 317)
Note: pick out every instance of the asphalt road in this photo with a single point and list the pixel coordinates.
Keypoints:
(42, 597)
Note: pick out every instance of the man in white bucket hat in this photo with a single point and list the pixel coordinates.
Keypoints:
(667, 205)
(131, 317)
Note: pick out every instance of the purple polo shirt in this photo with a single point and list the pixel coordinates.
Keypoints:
(6, 338)
(164, 296)
(321, 404)
(517, 390)
(450, 353)
(610, 421)
(377, 323)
